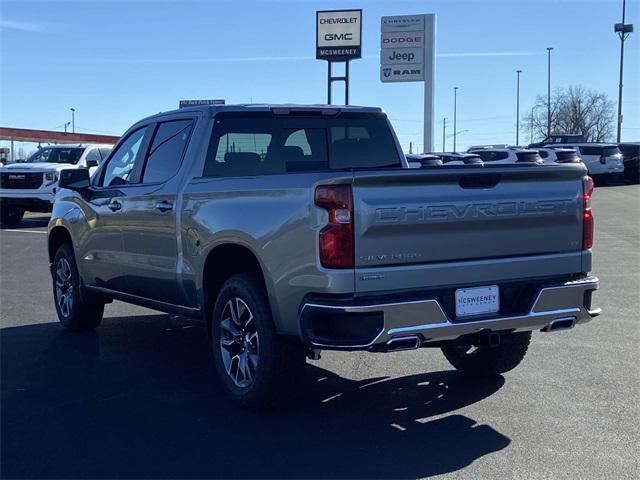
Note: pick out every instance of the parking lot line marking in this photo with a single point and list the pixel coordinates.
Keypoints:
(21, 231)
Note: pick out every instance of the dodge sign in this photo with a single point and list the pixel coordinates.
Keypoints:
(338, 35)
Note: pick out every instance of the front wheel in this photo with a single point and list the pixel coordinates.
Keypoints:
(11, 215)
(257, 367)
(74, 313)
(485, 360)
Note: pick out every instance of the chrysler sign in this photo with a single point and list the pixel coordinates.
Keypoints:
(338, 35)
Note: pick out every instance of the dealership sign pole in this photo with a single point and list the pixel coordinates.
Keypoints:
(338, 39)
(407, 54)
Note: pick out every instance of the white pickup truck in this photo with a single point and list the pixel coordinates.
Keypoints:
(30, 186)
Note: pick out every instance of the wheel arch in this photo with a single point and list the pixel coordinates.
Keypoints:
(222, 262)
(57, 236)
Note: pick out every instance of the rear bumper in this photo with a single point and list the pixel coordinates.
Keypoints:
(383, 322)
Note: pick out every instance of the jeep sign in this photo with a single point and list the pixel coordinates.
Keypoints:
(338, 35)
(393, 56)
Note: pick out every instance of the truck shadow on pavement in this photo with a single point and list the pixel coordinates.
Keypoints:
(138, 399)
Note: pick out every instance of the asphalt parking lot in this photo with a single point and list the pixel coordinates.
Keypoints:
(138, 397)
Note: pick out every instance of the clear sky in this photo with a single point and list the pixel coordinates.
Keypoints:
(118, 61)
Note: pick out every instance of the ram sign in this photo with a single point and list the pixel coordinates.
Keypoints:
(338, 35)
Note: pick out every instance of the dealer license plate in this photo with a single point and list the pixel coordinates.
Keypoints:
(476, 301)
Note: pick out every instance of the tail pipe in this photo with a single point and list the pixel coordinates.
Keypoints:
(564, 323)
(410, 342)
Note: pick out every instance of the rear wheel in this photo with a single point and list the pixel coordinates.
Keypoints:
(11, 215)
(485, 360)
(74, 313)
(257, 367)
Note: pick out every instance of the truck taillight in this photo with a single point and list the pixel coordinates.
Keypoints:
(587, 215)
(336, 239)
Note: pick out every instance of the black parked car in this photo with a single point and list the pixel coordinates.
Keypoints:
(631, 159)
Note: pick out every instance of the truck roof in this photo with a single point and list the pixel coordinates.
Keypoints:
(284, 108)
(77, 145)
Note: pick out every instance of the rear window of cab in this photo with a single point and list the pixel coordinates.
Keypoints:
(247, 145)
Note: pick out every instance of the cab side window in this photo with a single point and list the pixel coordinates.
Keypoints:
(167, 149)
(120, 167)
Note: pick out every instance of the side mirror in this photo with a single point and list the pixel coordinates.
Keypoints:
(92, 163)
(75, 179)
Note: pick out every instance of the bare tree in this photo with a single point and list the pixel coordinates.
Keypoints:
(573, 110)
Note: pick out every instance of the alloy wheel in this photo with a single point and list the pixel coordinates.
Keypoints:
(239, 343)
(64, 287)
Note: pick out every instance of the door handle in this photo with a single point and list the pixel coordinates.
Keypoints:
(164, 206)
(114, 205)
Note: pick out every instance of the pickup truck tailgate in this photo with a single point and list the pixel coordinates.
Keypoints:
(465, 217)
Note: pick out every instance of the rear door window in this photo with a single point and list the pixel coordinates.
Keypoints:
(167, 149)
(240, 146)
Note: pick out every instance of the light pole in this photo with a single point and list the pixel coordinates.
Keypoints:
(549, 90)
(518, 72)
(66, 124)
(455, 113)
(623, 30)
(73, 120)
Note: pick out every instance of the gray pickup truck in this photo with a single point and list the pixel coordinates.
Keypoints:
(294, 229)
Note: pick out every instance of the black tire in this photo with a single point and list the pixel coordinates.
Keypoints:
(489, 360)
(74, 313)
(279, 361)
(11, 215)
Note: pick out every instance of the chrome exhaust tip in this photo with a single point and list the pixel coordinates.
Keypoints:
(564, 323)
(410, 342)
